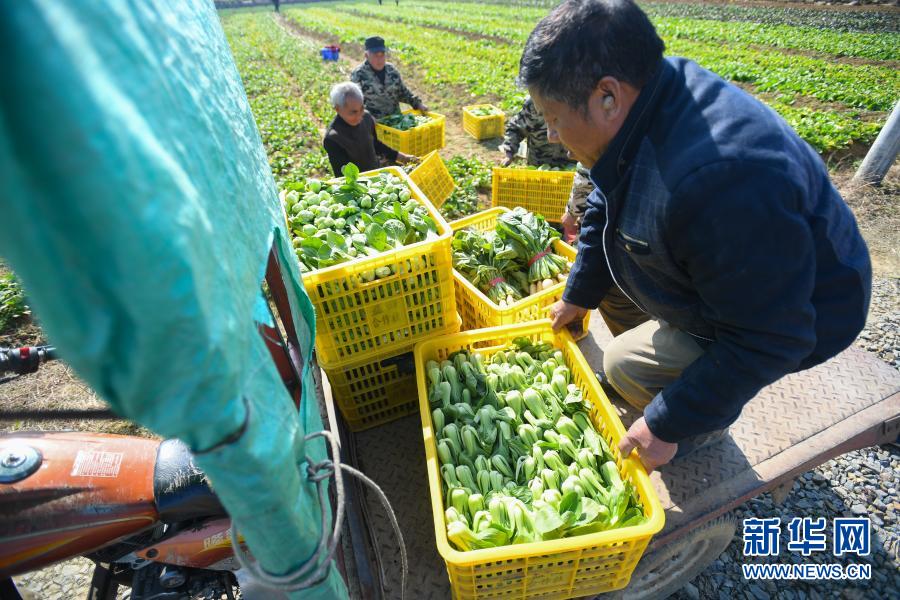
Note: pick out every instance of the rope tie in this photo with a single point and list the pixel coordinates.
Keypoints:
(540, 255)
(320, 562)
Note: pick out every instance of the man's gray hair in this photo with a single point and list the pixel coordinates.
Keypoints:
(341, 91)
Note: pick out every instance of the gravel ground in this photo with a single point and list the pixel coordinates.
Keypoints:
(860, 483)
(59, 582)
(70, 581)
(882, 333)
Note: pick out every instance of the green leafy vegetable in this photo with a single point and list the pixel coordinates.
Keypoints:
(513, 261)
(355, 217)
(518, 462)
(405, 122)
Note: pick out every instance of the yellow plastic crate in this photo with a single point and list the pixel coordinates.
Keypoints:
(543, 192)
(566, 568)
(478, 311)
(377, 389)
(483, 128)
(354, 317)
(433, 178)
(417, 141)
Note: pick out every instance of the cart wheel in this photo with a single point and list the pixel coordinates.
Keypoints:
(666, 570)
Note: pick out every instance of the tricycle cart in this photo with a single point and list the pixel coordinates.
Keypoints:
(800, 422)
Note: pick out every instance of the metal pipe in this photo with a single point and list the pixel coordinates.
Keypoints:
(883, 152)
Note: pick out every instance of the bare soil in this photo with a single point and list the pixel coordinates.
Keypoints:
(847, 60)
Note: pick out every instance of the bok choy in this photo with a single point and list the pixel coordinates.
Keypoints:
(521, 460)
(353, 218)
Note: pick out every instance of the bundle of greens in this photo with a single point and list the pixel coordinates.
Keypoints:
(483, 260)
(404, 122)
(485, 111)
(517, 257)
(521, 460)
(532, 240)
(353, 218)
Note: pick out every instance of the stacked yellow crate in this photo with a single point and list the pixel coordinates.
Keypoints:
(364, 327)
(571, 567)
(544, 193)
(478, 311)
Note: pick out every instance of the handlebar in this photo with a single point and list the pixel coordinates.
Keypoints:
(26, 359)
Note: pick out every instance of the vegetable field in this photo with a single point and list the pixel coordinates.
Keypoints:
(833, 76)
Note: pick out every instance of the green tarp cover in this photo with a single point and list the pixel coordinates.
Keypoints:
(138, 208)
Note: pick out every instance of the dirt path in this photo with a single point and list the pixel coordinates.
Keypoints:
(458, 141)
(877, 211)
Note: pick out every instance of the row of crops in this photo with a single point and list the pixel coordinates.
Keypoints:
(287, 85)
(868, 21)
(834, 87)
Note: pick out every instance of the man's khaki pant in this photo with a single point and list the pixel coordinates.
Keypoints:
(646, 355)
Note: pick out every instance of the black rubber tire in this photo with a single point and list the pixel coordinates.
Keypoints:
(8, 590)
(665, 571)
(103, 584)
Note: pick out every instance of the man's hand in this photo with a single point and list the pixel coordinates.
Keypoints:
(652, 451)
(406, 158)
(564, 313)
(507, 160)
(570, 227)
(423, 108)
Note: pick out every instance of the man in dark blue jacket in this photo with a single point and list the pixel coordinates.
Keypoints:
(715, 246)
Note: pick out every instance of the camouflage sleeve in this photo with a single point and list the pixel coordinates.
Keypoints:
(355, 77)
(516, 131)
(405, 94)
(408, 97)
(582, 187)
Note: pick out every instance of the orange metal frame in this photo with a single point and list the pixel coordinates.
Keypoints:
(92, 490)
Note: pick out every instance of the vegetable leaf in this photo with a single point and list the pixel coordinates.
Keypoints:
(351, 172)
(377, 236)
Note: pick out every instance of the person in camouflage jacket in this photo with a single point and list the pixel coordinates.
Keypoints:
(529, 125)
(381, 83)
(581, 189)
